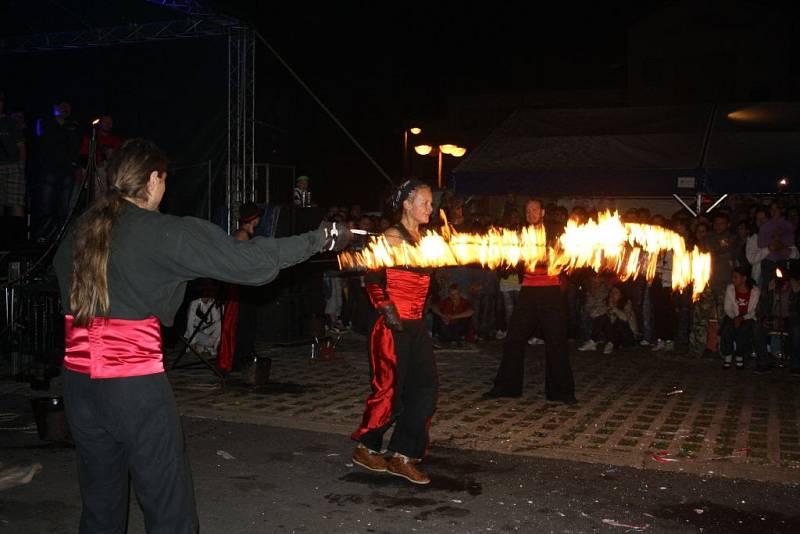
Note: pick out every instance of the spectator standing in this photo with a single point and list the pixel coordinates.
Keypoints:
(794, 319)
(664, 319)
(12, 169)
(509, 293)
(106, 142)
(239, 321)
(777, 235)
(59, 145)
(754, 253)
(302, 195)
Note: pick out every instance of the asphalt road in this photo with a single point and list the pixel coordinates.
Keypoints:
(251, 478)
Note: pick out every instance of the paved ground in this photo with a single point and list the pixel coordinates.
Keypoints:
(633, 406)
(262, 479)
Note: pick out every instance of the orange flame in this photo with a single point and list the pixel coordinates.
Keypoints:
(606, 244)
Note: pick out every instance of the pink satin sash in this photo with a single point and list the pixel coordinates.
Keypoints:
(114, 348)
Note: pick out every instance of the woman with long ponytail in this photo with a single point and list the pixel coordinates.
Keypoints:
(122, 270)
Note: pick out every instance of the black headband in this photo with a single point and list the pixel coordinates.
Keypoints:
(404, 191)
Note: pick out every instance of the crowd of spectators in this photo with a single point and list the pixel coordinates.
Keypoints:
(750, 309)
(43, 163)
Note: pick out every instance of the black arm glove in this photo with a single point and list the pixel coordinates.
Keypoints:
(392, 317)
(337, 236)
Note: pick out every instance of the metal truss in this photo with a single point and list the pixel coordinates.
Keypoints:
(240, 184)
(197, 21)
(190, 7)
(188, 28)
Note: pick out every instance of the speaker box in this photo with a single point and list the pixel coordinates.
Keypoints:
(293, 220)
(289, 307)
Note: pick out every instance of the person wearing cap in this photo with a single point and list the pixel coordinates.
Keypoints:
(301, 191)
(404, 380)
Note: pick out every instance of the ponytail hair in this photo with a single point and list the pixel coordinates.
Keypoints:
(128, 169)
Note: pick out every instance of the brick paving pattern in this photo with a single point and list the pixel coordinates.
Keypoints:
(633, 406)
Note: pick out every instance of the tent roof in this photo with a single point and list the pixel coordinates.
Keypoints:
(636, 151)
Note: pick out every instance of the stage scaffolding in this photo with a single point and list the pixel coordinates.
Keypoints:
(196, 21)
(240, 184)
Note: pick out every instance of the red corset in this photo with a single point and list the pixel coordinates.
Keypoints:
(408, 290)
(113, 348)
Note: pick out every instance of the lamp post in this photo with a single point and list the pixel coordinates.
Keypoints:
(451, 150)
(412, 131)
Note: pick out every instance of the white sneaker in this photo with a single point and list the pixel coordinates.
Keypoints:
(669, 345)
(609, 348)
(588, 345)
(644, 343)
(501, 334)
(739, 362)
(660, 345)
(726, 361)
(535, 341)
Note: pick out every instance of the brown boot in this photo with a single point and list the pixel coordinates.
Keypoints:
(368, 460)
(403, 466)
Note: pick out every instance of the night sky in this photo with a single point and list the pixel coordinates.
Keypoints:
(379, 66)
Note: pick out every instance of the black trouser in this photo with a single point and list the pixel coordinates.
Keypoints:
(455, 330)
(52, 203)
(415, 393)
(247, 324)
(122, 427)
(749, 337)
(617, 332)
(665, 321)
(537, 308)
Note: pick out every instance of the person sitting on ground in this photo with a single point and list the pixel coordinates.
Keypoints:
(204, 322)
(740, 324)
(617, 326)
(453, 314)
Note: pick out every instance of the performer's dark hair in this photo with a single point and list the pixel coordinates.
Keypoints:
(406, 190)
(128, 170)
(745, 271)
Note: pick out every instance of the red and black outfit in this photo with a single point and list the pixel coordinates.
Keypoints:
(402, 364)
(119, 403)
(539, 309)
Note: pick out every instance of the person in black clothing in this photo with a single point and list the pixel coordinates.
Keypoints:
(122, 271)
(59, 151)
(540, 305)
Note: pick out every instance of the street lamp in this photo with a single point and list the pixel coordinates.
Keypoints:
(413, 131)
(450, 150)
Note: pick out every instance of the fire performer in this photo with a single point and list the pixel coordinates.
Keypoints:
(540, 305)
(122, 270)
(402, 364)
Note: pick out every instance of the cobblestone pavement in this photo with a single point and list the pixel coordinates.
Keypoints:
(635, 408)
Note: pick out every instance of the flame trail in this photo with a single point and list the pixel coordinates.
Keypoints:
(604, 244)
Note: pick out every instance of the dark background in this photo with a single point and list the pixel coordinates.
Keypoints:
(379, 67)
